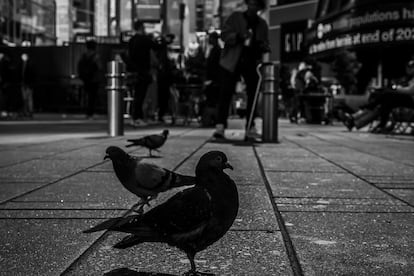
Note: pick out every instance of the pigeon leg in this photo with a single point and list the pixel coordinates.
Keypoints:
(193, 270)
(150, 153)
(139, 207)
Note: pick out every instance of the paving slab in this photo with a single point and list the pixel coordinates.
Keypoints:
(343, 205)
(41, 246)
(271, 161)
(352, 244)
(333, 185)
(256, 212)
(237, 253)
(45, 170)
(9, 190)
(94, 153)
(405, 194)
(64, 205)
(35, 213)
(15, 156)
(85, 187)
(391, 182)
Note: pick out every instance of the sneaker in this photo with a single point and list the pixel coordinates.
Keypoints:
(348, 121)
(140, 123)
(253, 133)
(219, 132)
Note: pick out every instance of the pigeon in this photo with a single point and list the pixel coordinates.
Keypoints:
(151, 142)
(192, 219)
(144, 179)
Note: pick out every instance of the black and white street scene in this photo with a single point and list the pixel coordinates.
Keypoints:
(206, 137)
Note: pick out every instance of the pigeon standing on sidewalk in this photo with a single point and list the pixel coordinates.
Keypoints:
(143, 179)
(151, 142)
(192, 219)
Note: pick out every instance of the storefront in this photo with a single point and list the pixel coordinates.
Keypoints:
(380, 33)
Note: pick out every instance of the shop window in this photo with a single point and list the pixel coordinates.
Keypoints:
(83, 16)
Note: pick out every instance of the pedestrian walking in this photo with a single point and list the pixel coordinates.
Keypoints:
(212, 82)
(25, 75)
(90, 72)
(245, 36)
(139, 52)
(5, 83)
(164, 74)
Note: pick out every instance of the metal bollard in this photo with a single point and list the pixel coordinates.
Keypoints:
(270, 103)
(115, 89)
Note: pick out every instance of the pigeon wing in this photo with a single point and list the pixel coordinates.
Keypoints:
(187, 211)
(151, 177)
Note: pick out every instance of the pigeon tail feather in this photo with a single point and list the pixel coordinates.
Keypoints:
(106, 225)
(135, 239)
(182, 180)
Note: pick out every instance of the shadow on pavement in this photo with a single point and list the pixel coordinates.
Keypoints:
(129, 272)
(234, 142)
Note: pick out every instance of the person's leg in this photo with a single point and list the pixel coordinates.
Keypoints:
(92, 94)
(227, 87)
(140, 91)
(388, 102)
(163, 96)
(24, 100)
(251, 79)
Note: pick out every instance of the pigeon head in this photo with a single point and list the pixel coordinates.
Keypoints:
(115, 153)
(213, 160)
(165, 132)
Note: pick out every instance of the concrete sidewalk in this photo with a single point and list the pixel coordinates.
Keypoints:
(323, 201)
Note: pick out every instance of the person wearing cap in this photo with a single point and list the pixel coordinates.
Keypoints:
(380, 106)
(246, 44)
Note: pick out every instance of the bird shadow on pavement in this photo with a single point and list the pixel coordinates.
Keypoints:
(234, 142)
(129, 272)
(150, 157)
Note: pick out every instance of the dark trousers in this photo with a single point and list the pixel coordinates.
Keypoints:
(163, 94)
(140, 91)
(227, 89)
(91, 90)
(387, 101)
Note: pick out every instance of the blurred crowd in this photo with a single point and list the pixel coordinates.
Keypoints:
(16, 86)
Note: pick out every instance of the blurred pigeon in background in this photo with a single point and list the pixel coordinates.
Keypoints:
(143, 179)
(151, 142)
(191, 220)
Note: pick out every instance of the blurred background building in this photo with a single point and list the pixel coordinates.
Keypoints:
(374, 38)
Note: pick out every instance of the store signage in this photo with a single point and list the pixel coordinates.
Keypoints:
(82, 38)
(382, 25)
(148, 10)
(292, 42)
(386, 35)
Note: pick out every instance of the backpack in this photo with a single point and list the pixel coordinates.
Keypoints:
(87, 67)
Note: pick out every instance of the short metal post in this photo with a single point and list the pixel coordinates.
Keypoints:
(270, 104)
(115, 81)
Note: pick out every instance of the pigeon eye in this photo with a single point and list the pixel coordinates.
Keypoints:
(219, 159)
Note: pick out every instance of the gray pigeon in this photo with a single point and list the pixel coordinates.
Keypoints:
(143, 179)
(192, 219)
(151, 142)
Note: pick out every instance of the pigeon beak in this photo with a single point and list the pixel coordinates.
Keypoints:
(106, 156)
(228, 166)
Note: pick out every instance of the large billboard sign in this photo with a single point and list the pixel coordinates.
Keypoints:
(383, 25)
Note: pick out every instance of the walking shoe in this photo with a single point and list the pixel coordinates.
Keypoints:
(348, 121)
(139, 123)
(253, 133)
(219, 132)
